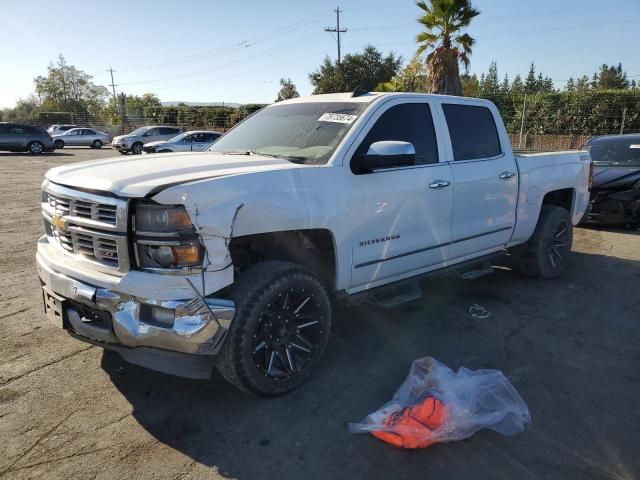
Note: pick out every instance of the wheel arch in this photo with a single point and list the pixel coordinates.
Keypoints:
(313, 248)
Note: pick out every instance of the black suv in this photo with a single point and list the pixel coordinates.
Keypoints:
(15, 137)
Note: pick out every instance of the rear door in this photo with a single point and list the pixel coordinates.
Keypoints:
(400, 225)
(88, 136)
(485, 179)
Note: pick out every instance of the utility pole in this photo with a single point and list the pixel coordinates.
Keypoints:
(337, 30)
(113, 86)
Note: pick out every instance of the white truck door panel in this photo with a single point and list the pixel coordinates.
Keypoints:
(485, 181)
(399, 224)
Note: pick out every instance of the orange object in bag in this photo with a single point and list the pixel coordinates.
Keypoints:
(413, 427)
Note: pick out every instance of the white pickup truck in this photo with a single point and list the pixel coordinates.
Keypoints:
(232, 257)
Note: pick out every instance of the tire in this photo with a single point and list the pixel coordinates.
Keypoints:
(58, 144)
(546, 254)
(96, 144)
(280, 330)
(136, 148)
(35, 148)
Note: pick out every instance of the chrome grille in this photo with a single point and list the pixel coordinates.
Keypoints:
(100, 212)
(88, 226)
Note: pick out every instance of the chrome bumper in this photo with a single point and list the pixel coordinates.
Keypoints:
(195, 329)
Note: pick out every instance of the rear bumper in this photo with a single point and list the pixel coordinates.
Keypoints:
(174, 336)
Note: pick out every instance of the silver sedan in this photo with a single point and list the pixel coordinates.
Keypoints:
(81, 137)
(194, 141)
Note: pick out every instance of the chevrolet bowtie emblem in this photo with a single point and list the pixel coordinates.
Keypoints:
(58, 222)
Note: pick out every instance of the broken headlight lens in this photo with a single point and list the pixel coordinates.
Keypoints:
(165, 238)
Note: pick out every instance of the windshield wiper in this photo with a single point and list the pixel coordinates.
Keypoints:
(289, 158)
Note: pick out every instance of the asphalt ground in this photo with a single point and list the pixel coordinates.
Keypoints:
(570, 346)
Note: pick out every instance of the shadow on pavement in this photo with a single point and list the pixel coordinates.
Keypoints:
(31, 155)
(570, 346)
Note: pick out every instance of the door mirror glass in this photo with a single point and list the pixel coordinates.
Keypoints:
(386, 154)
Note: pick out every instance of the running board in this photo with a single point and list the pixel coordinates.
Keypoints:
(397, 295)
(480, 270)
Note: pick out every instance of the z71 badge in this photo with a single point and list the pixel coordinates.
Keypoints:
(379, 240)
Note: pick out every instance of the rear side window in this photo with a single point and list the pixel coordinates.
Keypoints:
(408, 122)
(473, 132)
(210, 137)
(168, 131)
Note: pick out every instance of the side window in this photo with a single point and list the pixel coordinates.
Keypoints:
(16, 130)
(408, 122)
(168, 131)
(153, 132)
(86, 131)
(473, 132)
(199, 137)
(210, 137)
(188, 139)
(4, 128)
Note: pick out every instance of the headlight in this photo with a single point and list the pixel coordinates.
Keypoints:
(162, 218)
(165, 238)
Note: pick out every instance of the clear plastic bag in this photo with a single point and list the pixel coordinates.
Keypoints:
(435, 404)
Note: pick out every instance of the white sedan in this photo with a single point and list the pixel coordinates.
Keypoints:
(193, 141)
(81, 137)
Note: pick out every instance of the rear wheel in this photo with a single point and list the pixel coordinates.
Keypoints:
(546, 254)
(96, 144)
(280, 331)
(136, 148)
(36, 148)
(58, 144)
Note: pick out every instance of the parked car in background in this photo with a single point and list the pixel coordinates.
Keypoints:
(134, 141)
(615, 194)
(15, 137)
(193, 141)
(81, 137)
(57, 129)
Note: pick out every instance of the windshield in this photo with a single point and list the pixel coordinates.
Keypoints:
(140, 131)
(178, 137)
(301, 132)
(616, 153)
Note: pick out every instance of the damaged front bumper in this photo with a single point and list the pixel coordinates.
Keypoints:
(174, 336)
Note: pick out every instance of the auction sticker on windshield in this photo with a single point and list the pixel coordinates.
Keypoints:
(337, 118)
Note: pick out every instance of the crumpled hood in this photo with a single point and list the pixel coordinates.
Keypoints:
(615, 178)
(137, 176)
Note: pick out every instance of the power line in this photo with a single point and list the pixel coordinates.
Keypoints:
(233, 48)
(298, 42)
(337, 30)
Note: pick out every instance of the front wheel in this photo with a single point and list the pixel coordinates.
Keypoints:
(546, 254)
(96, 144)
(36, 148)
(280, 330)
(136, 148)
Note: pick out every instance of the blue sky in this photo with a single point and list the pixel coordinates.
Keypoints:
(237, 51)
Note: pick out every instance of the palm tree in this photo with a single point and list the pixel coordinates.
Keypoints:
(443, 21)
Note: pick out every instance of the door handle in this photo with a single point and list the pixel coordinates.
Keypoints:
(439, 184)
(506, 175)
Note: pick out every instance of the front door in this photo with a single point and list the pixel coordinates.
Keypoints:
(400, 217)
(485, 182)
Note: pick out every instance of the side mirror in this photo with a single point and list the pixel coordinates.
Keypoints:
(386, 154)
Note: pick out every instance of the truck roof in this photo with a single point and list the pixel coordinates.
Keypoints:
(368, 97)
